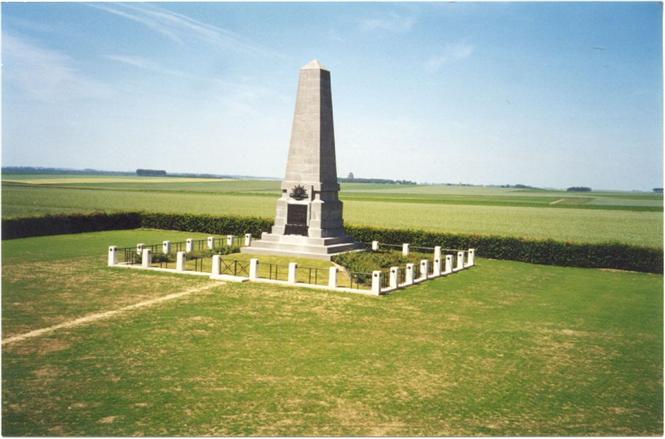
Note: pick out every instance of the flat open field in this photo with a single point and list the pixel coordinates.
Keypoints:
(632, 218)
(505, 348)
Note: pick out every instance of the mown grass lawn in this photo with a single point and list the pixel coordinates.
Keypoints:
(505, 348)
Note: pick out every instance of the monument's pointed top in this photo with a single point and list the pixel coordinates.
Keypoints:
(314, 64)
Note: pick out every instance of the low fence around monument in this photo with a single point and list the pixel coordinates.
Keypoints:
(213, 257)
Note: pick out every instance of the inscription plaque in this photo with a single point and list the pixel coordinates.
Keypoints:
(296, 220)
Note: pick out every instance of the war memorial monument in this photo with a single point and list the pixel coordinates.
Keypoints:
(309, 220)
(308, 223)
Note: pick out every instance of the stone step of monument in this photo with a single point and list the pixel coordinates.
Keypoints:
(329, 249)
(304, 240)
(305, 251)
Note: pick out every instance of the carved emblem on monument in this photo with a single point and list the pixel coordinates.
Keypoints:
(298, 193)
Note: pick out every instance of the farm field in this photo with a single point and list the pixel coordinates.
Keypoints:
(505, 348)
(632, 218)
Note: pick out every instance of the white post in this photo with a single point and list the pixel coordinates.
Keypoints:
(248, 239)
(437, 252)
(180, 261)
(460, 261)
(253, 268)
(211, 242)
(409, 274)
(293, 272)
(139, 249)
(394, 277)
(376, 282)
(229, 240)
(405, 249)
(146, 258)
(189, 245)
(471, 260)
(166, 247)
(375, 246)
(113, 255)
(424, 268)
(216, 265)
(449, 264)
(437, 267)
(332, 277)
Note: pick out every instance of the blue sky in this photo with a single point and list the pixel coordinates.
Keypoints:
(546, 94)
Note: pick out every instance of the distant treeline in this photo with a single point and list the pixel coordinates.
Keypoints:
(579, 189)
(517, 186)
(374, 180)
(16, 170)
(59, 171)
(151, 172)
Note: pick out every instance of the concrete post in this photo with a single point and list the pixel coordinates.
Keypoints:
(449, 264)
(166, 247)
(113, 255)
(146, 258)
(376, 282)
(248, 239)
(437, 267)
(180, 261)
(424, 269)
(189, 245)
(437, 252)
(409, 274)
(293, 272)
(229, 240)
(253, 268)
(211, 242)
(460, 261)
(139, 248)
(394, 277)
(405, 249)
(216, 265)
(471, 260)
(332, 277)
(375, 246)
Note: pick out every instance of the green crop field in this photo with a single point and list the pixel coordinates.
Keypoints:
(505, 348)
(627, 217)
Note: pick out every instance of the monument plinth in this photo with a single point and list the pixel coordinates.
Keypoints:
(309, 213)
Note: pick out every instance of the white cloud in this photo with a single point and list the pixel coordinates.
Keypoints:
(239, 97)
(392, 22)
(451, 52)
(180, 29)
(46, 74)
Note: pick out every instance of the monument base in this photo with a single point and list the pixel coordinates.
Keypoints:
(301, 246)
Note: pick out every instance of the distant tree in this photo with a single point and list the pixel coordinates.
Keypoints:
(350, 177)
(658, 190)
(151, 172)
(579, 189)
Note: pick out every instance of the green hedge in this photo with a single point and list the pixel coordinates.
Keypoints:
(549, 252)
(62, 224)
(216, 225)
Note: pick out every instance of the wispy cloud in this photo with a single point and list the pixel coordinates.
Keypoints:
(239, 97)
(182, 29)
(392, 22)
(46, 74)
(451, 52)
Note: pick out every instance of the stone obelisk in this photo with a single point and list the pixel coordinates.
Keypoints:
(309, 213)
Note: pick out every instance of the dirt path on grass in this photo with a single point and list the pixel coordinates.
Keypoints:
(105, 315)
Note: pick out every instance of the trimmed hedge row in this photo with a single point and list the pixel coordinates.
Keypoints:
(549, 252)
(63, 224)
(216, 225)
